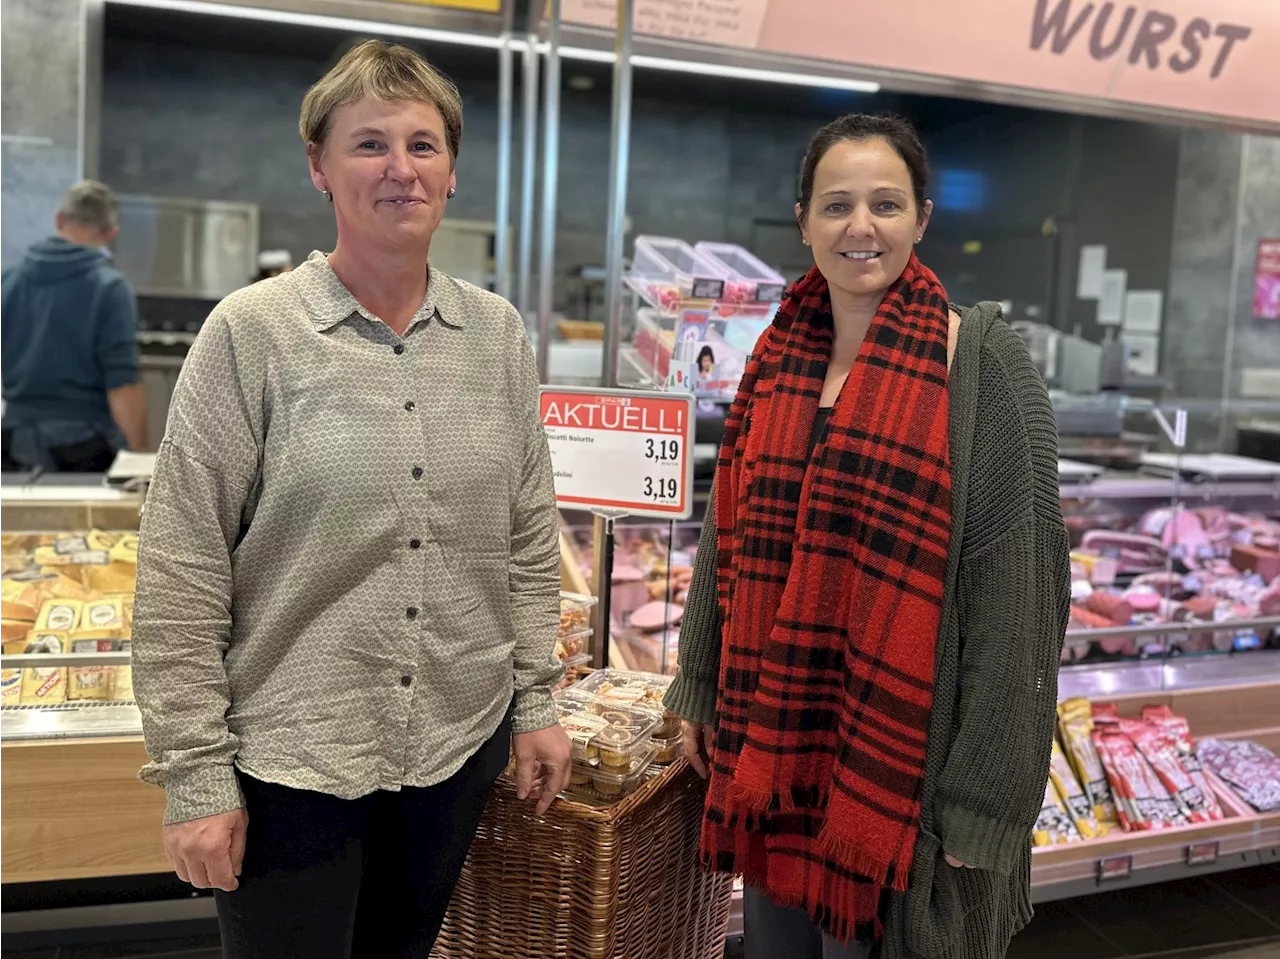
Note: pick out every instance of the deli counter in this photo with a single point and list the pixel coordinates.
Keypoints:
(1176, 603)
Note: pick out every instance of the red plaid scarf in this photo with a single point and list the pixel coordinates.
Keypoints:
(831, 583)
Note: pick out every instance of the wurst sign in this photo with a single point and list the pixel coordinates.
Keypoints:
(1209, 57)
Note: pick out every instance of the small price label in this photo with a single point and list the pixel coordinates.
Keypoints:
(1116, 867)
(1202, 853)
(624, 451)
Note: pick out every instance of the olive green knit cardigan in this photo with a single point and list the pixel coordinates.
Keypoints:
(1004, 614)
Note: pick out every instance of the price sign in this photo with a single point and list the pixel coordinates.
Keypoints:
(1116, 867)
(1202, 854)
(621, 450)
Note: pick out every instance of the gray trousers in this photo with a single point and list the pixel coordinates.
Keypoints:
(772, 932)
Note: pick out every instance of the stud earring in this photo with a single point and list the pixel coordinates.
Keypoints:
(450, 194)
(920, 237)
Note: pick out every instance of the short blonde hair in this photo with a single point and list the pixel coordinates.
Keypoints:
(92, 204)
(381, 71)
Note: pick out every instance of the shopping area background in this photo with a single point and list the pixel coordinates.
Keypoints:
(1136, 250)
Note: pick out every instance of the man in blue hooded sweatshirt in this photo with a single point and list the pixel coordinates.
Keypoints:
(72, 393)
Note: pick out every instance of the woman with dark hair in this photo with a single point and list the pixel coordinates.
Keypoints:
(868, 658)
(706, 363)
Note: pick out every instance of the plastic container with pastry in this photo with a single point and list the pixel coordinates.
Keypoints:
(570, 645)
(603, 784)
(582, 725)
(605, 735)
(575, 612)
(614, 782)
(620, 687)
(667, 749)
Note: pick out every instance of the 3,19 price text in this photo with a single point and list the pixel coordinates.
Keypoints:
(659, 488)
(662, 451)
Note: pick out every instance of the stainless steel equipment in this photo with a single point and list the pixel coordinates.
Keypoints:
(186, 248)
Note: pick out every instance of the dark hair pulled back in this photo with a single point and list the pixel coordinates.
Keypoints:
(894, 130)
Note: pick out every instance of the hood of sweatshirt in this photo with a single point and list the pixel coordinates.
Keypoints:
(54, 260)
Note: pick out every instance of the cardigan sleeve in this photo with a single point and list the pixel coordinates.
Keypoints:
(1013, 599)
(692, 695)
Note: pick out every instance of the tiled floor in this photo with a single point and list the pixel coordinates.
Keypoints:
(1230, 916)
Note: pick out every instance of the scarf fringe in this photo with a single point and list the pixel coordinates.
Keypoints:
(853, 856)
(837, 919)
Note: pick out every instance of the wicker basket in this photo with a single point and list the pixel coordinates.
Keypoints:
(590, 882)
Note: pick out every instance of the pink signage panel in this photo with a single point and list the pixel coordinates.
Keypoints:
(1216, 57)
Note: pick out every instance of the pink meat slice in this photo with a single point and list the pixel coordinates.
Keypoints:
(654, 616)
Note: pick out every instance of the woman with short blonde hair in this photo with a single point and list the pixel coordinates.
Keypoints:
(349, 572)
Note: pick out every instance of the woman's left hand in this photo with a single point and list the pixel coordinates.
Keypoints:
(956, 863)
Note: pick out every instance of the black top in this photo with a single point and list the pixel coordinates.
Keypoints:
(819, 427)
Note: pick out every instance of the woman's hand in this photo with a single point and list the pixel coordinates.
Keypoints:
(543, 764)
(699, 744)
(955, 863)
(209, 852)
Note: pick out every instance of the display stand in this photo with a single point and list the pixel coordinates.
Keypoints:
(618, 453)
(590, 882)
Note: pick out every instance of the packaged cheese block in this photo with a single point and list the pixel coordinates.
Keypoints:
(122, 685)
(67, 543)
(93, 682)
(19, 600)
(111, 577)
(125, 549)
(59, 616)
(50, 558)
(62, 586)
(100, 539)
(105, 613)
(10, 680)
(45, 686)
(14, 629)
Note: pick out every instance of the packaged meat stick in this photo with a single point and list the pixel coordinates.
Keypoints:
(1073, 795)
(1053, 825)
(1158, 749)
(1142, 802)
(1179, 730)
(1075, 723)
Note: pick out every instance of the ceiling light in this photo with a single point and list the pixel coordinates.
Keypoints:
(719, 70)
(322, 21)
(754, 73)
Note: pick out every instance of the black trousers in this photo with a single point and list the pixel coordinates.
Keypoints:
(328, 878)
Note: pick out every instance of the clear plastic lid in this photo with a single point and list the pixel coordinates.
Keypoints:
(635, 766)
(575, 612)
(749, 280)
(572, 644)
(620, 687)
(666, 270)
(605, 735)
(608, 786)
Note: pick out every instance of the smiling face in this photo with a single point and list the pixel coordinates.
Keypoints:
(387, 164)
(863, 219)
